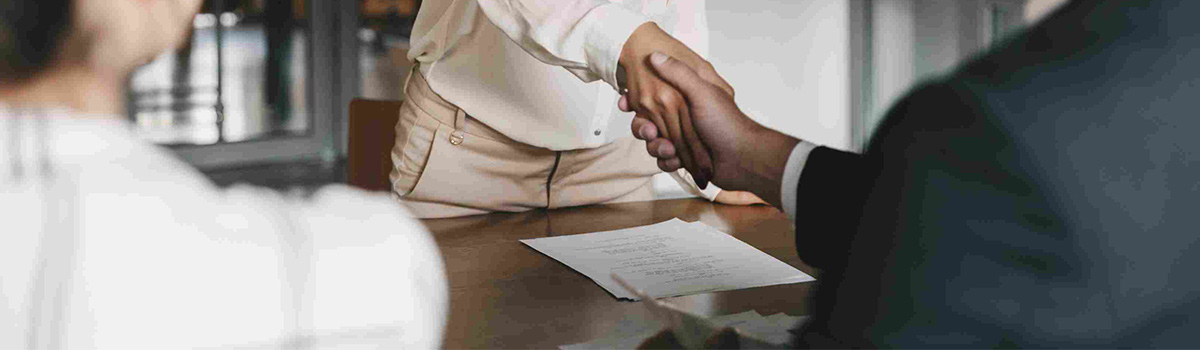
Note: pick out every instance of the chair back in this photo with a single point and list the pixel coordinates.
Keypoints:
(371, 136)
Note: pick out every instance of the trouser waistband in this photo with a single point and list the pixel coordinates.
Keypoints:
(418, 92)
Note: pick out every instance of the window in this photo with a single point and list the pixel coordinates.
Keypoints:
(242, 89)
(241, 76)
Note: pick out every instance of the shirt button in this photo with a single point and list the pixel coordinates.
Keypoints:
(597, 133)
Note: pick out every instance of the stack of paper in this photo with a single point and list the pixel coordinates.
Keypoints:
(756, 331)
(667, 259)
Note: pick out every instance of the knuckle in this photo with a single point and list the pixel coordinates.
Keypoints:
(645, 101)
(667, 97)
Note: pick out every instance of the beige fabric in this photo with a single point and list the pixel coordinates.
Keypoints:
(448, 164)
(519, 65)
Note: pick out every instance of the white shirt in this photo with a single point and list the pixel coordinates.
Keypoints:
(143, 252)
(791, 176)
(543, 72)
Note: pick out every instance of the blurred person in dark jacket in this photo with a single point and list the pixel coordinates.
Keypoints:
(1043, 194)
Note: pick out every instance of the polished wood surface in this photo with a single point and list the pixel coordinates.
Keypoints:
(504, 294)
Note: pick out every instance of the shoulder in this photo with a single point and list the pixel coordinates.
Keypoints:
(374, 265)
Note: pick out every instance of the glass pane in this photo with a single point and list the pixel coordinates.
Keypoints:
(384, 29)
(262, 88)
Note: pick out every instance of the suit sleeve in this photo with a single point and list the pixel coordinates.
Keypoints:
(941, 224)
(829, 199)
(834, 187)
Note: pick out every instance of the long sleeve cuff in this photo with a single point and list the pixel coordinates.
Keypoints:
(688, 184)
(791, 176)
(611, 25)
(710, 192)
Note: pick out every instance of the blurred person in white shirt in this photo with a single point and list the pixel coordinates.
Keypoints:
(110, 242)
(511, 105)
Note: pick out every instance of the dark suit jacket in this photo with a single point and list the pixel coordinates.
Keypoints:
(1045, 194)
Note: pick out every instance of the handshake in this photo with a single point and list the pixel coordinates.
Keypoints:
(686, 114)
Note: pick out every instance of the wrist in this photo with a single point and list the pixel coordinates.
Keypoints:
(640, 44)
(764, 163)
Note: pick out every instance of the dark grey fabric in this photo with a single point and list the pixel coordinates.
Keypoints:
(1045, 194)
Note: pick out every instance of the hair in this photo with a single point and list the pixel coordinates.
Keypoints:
(31, 36)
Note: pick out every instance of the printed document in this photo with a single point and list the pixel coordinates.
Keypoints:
(667, 259)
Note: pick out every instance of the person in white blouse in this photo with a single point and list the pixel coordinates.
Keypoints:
(499, 114)
(107, 241)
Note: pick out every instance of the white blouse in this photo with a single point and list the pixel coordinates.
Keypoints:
(110, 242)
(520, 66)
(543, 72)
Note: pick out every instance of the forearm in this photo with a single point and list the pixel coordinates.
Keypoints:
(762, 164)
(584, 36)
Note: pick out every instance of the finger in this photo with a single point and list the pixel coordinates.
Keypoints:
(641, 104)
(681, 76)
(644, 129)
(660, 148)
(724, 85)
(703, 159)
(669, 165)
(707, 72)
(660, 129)
(623, 104)
(669, 105)
(631, 90)
(712, 77)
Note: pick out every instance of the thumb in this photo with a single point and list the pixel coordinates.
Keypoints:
(680, 75)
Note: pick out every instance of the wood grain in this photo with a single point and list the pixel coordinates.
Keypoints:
(504, 294)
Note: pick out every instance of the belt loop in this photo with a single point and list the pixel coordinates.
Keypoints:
(416, 70)
(460, 123)
(460, 119)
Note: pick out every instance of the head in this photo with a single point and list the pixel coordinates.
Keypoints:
(104, 37)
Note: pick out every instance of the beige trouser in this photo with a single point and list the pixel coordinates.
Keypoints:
(448, 164)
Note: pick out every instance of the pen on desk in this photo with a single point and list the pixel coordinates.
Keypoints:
(630, 288)
(666, 312)
(690, 329)
(655, 307)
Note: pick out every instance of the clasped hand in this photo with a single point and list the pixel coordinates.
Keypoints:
(658, 102)
(734, 151)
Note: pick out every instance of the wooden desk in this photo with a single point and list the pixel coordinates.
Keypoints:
(504, 294)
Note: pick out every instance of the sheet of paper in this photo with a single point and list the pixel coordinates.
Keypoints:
(667, 259)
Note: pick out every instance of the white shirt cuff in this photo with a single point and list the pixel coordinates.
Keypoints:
(710, 192)
(791, 176)
(611, 25)
(688, 184)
